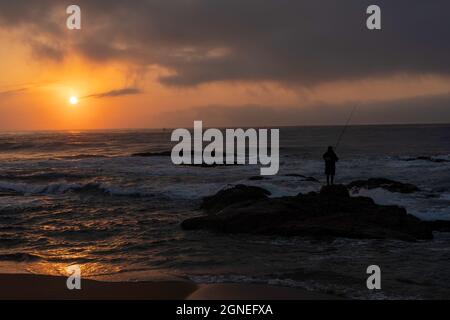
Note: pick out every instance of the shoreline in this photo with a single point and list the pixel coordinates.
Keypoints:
(44, 287)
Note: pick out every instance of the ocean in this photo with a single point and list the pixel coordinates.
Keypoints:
(80, 197)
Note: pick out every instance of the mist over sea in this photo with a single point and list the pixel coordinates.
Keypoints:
(82, 198)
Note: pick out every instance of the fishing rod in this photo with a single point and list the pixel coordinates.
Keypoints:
(346, 126)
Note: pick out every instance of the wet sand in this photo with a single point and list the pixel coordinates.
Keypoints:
(39, 287)
(235, 291)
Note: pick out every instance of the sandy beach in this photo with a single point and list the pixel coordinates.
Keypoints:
(41, 287)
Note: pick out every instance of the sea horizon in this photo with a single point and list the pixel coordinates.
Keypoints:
(226, 127)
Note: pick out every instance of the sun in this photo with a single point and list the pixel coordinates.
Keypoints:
(73, 100)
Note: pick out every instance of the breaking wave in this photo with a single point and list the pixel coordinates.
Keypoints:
(62, 188)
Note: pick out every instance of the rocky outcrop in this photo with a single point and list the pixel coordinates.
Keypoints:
(302, 177)
(204, 165)
(238, 194)
(390, 185)
(258, 178)
(152, 154)
(440, 225)
(329, 214)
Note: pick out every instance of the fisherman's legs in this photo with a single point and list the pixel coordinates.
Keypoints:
(332, 179)
(328, 179)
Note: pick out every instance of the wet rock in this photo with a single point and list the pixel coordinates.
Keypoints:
(311, 179)
(153, 154)
(257, 178)
(329, 214)
(335, 191)
(426, 158)
(390, 185)
(304, 178)
(237, 194)
(204, 165)
(440, 225)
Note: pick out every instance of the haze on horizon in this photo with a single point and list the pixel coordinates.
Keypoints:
(229, 63)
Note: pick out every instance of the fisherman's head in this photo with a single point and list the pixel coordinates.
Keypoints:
(330, 148)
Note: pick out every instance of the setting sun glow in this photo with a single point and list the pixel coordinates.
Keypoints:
(73, 100)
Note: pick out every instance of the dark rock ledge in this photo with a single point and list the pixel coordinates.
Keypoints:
(328, 214)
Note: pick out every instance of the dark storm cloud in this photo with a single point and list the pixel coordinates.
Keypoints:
(116, 93)
(42, 50)
(294, 42)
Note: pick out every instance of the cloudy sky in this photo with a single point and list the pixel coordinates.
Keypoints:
(149, 63)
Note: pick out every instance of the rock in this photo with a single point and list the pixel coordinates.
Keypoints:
(329, 214)
(390, 185)
(257, 178)
(237, 194)
(153, 154)
(336, 191)
(204, 165)
(426, 158)
(304, 178)
(295, 175)
(440, 225)
(312, 179)
(169, 153)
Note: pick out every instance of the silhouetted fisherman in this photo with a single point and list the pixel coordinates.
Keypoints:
(330, 164)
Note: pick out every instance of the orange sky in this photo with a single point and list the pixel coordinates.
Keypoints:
(47, 86)
(34, 91)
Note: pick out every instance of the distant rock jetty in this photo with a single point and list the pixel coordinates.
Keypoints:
(152, 154)
(330, 213)
(426, 158)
